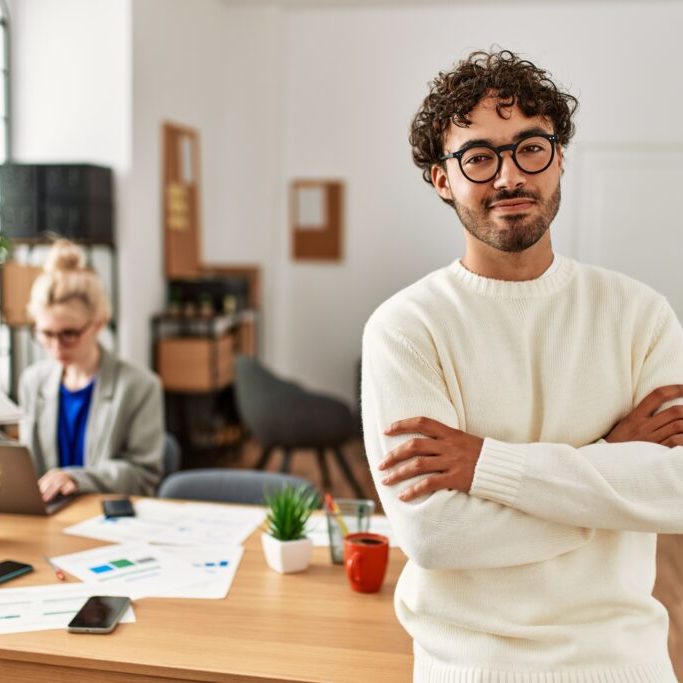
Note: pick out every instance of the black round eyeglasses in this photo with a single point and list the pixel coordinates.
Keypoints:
(480, 163)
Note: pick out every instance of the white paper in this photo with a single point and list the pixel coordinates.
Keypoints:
(40, 608)
(138, 569)
(215, 568)
(316, 529)
(163, 522)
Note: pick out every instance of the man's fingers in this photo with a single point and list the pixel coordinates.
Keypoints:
(653, 401)
(672, 441)
(671, 414)
(408, 449)
(427, 485)
(668, 430)
(420, 464)
(418, 425)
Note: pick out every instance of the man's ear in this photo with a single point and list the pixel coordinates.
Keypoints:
(440, 182)
(560, 157)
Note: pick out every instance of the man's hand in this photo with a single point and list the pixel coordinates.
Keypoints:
(55, 482)
(447, 455)
(641, 424)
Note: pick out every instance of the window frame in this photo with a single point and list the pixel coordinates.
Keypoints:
(6, 71)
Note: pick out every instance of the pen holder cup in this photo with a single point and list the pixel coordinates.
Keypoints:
(355, 515)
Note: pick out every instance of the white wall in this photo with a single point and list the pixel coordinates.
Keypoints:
(71, 81)
(356, 75)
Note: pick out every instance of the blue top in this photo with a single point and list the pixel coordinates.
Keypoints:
(74, 407)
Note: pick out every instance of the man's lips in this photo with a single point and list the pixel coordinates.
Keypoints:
(512, 205)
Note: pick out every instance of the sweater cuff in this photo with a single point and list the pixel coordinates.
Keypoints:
(498, 473)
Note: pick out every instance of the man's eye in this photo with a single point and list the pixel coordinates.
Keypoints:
(476, 159)
(531, 149)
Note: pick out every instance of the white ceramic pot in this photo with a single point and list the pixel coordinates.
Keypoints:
(287, 557)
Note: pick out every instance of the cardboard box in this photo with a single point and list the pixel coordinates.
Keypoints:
(17, 280)
(195, 364)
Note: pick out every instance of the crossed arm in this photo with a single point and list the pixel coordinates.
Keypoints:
(437, 483)
(448, 457)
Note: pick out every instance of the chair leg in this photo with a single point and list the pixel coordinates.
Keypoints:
(265, 457)
(324, 469)
(348, 473)
(286, 458)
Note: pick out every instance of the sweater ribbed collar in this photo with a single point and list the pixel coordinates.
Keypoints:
(563, 270)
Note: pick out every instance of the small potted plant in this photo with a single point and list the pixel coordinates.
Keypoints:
(285, 545)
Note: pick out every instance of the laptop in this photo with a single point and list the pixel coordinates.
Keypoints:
(19, 492)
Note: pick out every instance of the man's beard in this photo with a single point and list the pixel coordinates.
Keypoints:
(519, 231)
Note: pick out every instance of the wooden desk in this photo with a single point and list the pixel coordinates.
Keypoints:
(308, 627)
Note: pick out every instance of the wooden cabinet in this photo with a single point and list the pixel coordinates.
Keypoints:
(195, 364)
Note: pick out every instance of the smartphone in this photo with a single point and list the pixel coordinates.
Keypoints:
(99, 614)
(118, 507)
(9, 569)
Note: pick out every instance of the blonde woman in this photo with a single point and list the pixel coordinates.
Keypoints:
(93, 422)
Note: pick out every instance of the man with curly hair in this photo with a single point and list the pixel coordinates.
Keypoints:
(520, 414)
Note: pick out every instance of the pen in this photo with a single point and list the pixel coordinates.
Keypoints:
(334, 509)
(58, 572)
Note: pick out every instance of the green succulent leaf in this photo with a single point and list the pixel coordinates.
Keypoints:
(289, 510)
(5, 247)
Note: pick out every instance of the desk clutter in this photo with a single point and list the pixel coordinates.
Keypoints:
(167, 550)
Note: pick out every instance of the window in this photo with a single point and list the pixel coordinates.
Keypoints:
(5, 109)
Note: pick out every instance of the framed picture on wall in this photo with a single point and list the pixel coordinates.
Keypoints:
(316, 218)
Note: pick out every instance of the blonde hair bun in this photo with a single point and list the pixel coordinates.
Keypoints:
(64, 255)
(66, 277)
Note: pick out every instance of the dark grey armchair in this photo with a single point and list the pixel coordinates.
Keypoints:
(227, 486)
(283, 415)
(172, 454)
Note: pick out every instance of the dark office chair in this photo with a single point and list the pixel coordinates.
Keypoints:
(227, 486)
(172, 454)
(283, 415)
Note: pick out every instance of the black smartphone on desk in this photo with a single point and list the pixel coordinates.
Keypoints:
(99, 614)
(118, 507)
(10, 569)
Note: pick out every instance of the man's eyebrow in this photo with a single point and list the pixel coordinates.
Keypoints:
(533, 130)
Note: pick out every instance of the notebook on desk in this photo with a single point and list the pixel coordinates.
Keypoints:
(19, 492)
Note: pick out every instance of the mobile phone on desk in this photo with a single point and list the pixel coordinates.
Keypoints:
(99, 614)
(118, 507)
(10, 569)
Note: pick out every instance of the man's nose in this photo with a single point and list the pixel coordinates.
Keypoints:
(509, 175)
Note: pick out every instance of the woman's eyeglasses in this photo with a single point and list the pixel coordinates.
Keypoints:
(66, 337)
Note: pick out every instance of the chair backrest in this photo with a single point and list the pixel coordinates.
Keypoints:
(227, 486)
(172, 454)
(260, 395)
(281, 413)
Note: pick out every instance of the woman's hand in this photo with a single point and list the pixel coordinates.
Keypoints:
(56, 482)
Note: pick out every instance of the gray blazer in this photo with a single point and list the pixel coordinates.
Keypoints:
(124, 436)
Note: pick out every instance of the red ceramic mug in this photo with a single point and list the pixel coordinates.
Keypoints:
(365, 557)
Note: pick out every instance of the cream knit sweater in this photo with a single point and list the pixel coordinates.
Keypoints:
(543, 572)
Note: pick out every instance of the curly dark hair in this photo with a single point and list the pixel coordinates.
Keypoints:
(454, 94)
